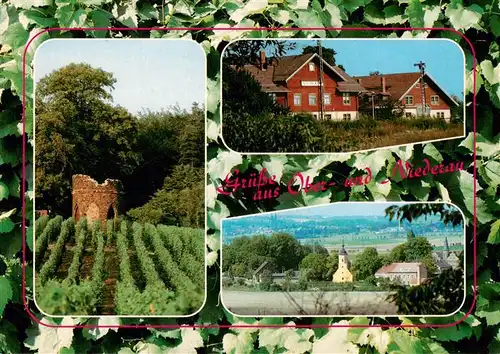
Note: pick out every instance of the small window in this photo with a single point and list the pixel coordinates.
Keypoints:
(346, 99)
(328, 116)
(326, 98)
(440, 114)
(312, 99)
(347, 116)
(417, 85)
(409, 99)
(297, 99)
(273, 96)
(312, 66)
(408, 115)
(434, 99)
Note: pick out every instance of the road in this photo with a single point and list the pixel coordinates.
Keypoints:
(308, 303)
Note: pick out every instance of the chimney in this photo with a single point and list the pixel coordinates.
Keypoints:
(383, 84)
(359, 81)
(262, 60)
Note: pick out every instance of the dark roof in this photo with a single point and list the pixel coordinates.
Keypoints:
(396, 84)
(342, 251)
(281, 69)
(287, 65)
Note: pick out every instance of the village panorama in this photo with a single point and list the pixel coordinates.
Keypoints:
(345, 259)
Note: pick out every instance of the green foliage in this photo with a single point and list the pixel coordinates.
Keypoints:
(477, 20)
(179, 202)
(315, 266)
(78, 132)
(366, 264)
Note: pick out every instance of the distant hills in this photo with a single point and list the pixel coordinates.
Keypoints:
(305, 227)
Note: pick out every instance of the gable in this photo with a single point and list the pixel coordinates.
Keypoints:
(399, 84)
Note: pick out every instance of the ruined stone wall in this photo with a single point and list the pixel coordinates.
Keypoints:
(95, 201)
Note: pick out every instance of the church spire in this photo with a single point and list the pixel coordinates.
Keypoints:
(342, 251)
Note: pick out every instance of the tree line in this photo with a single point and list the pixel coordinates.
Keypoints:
(158, 156)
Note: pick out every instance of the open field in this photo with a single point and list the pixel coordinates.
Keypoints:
(349, 137)
(308, 303)
(130, 269)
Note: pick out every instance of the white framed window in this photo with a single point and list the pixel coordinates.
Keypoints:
(347, 116)
(273, 96)
(409, 99)
(297, 99)
(327, 98)
(312, 99)
(440, 114)
(328, 116)
(408, 115)
(434, 99)
(417, 85)
(346, 99)
(312, 66)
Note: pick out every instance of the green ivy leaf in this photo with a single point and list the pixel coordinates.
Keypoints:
(403, 342)
(463, 18)
(100, 18)
(15, 36)
(68, 17)
(4, 191)
(415, 12)
(40, 17)
(494, 236)
(5, 293)
(490, 73)
(6, 225)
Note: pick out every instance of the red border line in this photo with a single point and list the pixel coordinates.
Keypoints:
(23, 184)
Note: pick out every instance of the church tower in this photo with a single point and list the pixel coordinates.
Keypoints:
(343, 275)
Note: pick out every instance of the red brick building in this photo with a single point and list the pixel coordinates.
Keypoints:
(294, 81)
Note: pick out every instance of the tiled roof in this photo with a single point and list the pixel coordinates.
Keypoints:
(399, 268)
(282, 68)
(396, 84)
(287, 65)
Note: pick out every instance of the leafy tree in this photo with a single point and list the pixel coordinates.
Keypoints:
(315, 265)
(417, 248)
(286, 250)
(332, 264)
(410, 235)
(457, 112)
(327, 53)
(374, 73)
(441, 295)
(164, 139)
(242, 93)
(366, 264)
(179, 202)
(449, 214)
(398, 253)
(240, 53)
(78, 131)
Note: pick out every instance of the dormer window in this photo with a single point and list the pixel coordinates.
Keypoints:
(312, 66)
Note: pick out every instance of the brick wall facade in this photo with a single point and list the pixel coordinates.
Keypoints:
(95, 201)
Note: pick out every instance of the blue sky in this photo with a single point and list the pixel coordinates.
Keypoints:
(444, 59)
(151, 74)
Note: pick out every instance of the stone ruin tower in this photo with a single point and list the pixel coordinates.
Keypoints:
(95, 201)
